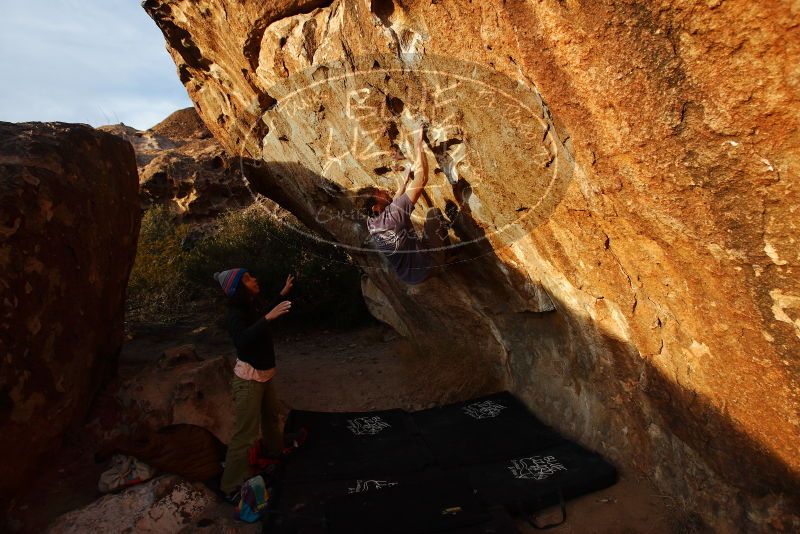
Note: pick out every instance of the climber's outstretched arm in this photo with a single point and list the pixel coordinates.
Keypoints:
(402, 188)
(417, 185)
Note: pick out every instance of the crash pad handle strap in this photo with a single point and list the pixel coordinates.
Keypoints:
(534, 522)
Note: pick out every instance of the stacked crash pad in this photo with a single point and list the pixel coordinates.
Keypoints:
(460, 468)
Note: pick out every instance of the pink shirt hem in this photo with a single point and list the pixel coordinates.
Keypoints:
(245, 371)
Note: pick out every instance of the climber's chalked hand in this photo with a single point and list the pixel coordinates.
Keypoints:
(281, 309)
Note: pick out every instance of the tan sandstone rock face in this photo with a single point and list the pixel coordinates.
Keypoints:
(70, 220)
(183, 167)
(635, 163)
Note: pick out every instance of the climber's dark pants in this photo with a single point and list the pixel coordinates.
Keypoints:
(256, 405)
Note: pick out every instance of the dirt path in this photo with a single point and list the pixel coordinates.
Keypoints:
(367, 368)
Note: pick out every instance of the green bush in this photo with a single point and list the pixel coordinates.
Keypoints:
(157, 290)
(173, 270)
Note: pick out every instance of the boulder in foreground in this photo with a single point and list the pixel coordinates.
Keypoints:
(164, 504)
(70, 221)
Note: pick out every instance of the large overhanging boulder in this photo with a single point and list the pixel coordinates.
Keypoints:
(627, 164)
(70, 220)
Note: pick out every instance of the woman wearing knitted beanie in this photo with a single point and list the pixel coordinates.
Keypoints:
(249, 318)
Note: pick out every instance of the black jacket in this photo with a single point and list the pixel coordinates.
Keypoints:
(250, 333)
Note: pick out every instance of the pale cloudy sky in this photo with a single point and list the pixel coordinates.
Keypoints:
(91, 61)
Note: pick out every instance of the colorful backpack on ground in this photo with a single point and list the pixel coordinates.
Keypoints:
(253, 500)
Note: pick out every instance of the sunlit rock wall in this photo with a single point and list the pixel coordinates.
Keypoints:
(621, 178)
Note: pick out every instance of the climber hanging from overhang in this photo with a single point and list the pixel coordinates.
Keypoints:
(412, 256)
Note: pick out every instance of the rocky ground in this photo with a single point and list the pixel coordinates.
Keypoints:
(360, 369)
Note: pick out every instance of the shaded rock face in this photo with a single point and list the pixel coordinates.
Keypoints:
(181, 388)
(667, 244)
(189, 451)
(164, 504)
(183, 167)
(70, 221)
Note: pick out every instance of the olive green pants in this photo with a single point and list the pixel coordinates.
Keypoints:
(256, 404)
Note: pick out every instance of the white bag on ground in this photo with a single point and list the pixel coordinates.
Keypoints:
(124, 471)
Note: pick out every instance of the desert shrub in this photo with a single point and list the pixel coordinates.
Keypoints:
(174, 268)
(157, 291)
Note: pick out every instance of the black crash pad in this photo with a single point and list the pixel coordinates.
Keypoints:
(430, 502)
(348, 445)
(301, 506)
(343, 428)
(533, 481)
(480, 454)
(304, 501)
(358, 459)
(500, 522)
(486, 429)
